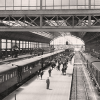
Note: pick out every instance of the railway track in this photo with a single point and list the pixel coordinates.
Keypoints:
(80, 85)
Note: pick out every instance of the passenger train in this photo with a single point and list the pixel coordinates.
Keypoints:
(93, 66)
(15, 73)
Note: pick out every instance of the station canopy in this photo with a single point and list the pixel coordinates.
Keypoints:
(47, 5)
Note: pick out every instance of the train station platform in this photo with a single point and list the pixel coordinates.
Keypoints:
(35, 89)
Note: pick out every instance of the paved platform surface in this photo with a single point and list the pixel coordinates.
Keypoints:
(35, 89)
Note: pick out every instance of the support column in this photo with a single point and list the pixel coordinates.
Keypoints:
(73, 21)
(41, 21)
(28, 47)
(6, 55)
(22, 47)
(19, 46)
(13, 4)
(11, 49)
(38, 44)
(89, 4)
(89, 21)
(40, 4)
(25, 48)
(5, 4)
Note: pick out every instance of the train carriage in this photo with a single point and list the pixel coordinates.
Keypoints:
(96, 65)
(93, 66)
(27, 67)
(8, 77)
(11, 75)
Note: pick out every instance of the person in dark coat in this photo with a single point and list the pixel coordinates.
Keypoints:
(41, 74)
(48, 82)
(49, 71)
(59, 67)
(52, 65)
(63, 71)
(38, 74)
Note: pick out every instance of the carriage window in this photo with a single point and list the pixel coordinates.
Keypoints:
(30, 67)
(6, 76)
(8, 45)
(15, 73)
(11, 75)
(3, 78)
(24, 69)
(3, 46)
(33, 65)
(39, 64)
(0, 78)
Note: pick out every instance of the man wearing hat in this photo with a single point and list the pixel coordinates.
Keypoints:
(48, 82)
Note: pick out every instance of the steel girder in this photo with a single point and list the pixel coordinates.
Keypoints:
(50, 12)
(69, 23)
(75, 21)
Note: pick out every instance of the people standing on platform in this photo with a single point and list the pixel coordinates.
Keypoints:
(37, 74)
(15, 50)
(58, 67)
(48, 83)
(41, 74)
(66, 66)
(49, 71)
(63, 71)
(54, 65)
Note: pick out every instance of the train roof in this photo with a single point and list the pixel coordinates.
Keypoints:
(34, 59)
(97, 65)
(6, 67)
(27, 61)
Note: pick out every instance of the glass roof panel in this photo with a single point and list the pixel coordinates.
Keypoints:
(2, 2)
(48, 4)
(9, 2)
(45, 34)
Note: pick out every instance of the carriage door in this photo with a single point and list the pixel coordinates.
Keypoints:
(19, 76)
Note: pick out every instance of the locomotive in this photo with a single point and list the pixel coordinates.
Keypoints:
(14, 74)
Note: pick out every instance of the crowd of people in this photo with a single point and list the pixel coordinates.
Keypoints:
(56, 63)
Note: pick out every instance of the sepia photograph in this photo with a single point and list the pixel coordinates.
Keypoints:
(49, 50)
